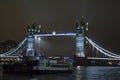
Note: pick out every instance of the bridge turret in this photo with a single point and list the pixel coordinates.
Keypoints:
(34, 29)
(39, 29)
(81, 33)
(82, 28)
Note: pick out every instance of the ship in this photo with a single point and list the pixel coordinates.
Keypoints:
(41, 65)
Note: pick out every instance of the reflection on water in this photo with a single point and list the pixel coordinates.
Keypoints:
(80, 73)
(97, 73)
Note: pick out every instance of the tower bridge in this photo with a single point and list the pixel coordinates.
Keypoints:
(87, 51)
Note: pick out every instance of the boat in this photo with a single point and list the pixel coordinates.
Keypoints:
(41, 65)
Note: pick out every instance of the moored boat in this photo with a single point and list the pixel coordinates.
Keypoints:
(43, 65)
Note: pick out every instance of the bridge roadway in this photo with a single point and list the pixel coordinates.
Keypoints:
(88, 61)
(96, 58)
(94, 61)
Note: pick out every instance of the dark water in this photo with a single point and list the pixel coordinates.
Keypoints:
(80, 73)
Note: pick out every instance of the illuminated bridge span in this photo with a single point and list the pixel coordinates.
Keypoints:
(54, 34)
(102, 50)
(85, 47)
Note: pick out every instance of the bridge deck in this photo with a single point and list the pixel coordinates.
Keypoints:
(95, 58)
(57, 34)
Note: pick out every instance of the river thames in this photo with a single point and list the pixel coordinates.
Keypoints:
(80, 73)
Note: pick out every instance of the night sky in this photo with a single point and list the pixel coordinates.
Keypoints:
(60, 15)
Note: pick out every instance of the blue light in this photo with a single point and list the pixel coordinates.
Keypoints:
(37, 58)
(70, 59)
(57, 34)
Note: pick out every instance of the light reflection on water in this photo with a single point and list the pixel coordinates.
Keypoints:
(98, 73)
(80, 73)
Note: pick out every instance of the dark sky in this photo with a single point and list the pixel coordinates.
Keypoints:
(60, 15)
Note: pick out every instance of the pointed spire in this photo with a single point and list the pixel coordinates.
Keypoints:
(28, 27)
(82, 23)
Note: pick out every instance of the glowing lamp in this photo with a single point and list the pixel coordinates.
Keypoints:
(53, 33)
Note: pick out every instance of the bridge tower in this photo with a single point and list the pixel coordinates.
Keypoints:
(81, 33)
(32, 29)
